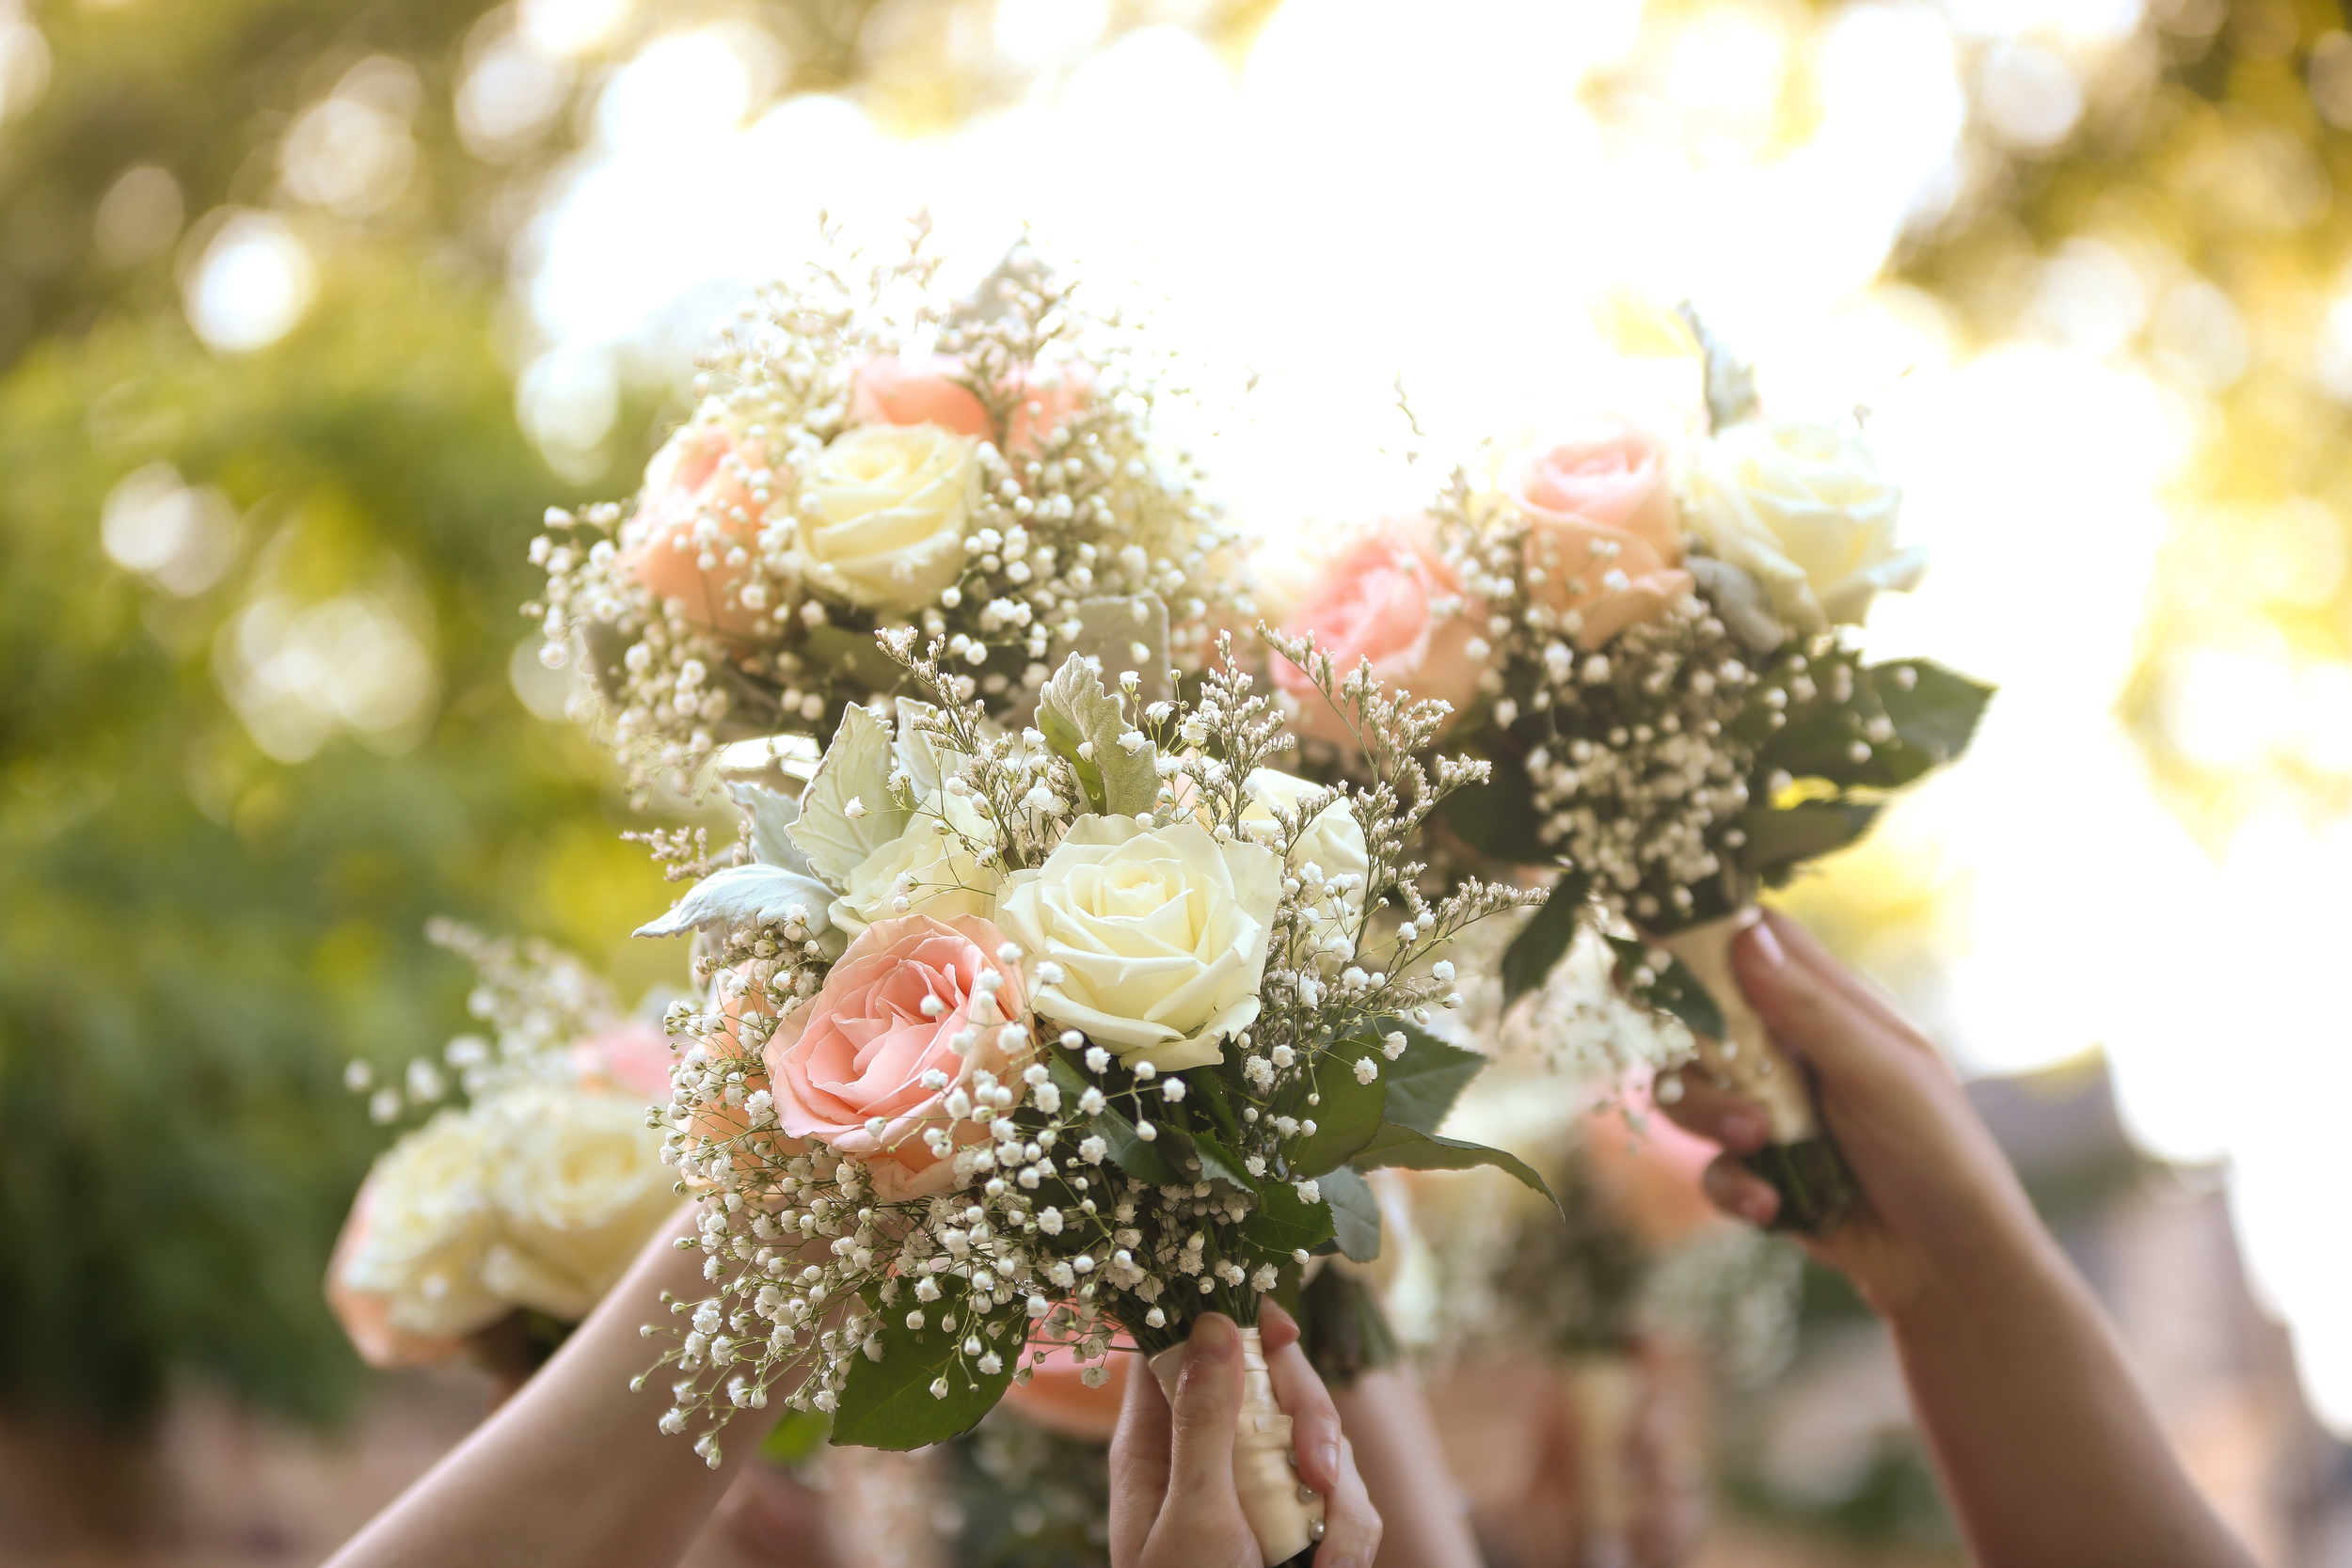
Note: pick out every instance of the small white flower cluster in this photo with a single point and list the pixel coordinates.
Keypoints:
(534, 1190)
(536, 1000)
(1071, 1176)
(871, 455)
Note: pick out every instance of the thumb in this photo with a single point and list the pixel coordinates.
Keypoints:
(1207, 1408)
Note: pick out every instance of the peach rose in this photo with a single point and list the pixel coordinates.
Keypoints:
(1603, 483)
(1380, 599)
(1057, 1399)
(857, 1051)
(889, 390)
(705, 470)
(1654, 1176)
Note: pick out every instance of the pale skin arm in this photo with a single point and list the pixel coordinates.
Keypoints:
(2046, 1445)
(571, 1471)
(1395, 1438)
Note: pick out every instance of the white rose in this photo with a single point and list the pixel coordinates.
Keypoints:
(886, 526)
(429, 1222)
(1803, 509)
(1333, 843)
(1161, 936)
(579, 1188)
(937, 873)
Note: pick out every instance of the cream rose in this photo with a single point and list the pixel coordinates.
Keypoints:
(1332, 845)
(1804, 510)
(428, 1220)
(1160, 935)
(936, 873)
(882, 515)
(578, 1187)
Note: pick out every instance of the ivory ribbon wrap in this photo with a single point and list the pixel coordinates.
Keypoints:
(1284, 1516)
(1746, 1055)
(1604, 1396)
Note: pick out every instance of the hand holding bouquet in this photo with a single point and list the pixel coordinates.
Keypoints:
(1020, 1040)
(870, 455)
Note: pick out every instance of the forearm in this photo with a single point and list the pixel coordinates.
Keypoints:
(1422, 1516)
(2048, 1450)
(571, 1472)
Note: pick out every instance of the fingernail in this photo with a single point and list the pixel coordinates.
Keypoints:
(1766, 947)
(1327, 1460)
(1757, 1205)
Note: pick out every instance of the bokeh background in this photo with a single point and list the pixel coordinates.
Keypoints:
(307, 309)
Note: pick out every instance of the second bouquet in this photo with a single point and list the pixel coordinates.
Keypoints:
(1012, 1041)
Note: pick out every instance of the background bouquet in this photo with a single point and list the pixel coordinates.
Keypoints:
(501, 1222)
(1651, 650)
(1014, 1041)
(870, 454)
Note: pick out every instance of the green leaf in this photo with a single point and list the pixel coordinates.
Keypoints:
(1923, 714)
(1673, 988)
(1730, 383)
(1160, 1160)
(1212, 1093)
(1283, 1222)
(797, 1437)
(1083, 723)
(856, 766)
(1778, 839)
(1935, 710)
(1499, 817)
(1542, 941)
(769, 816)
(841, 651)
(1349, 1113)
(1218, 1163)
(1124, 634)
(889, 1404)
(1424, 1082)
(1409, 1150)
(1355, 1213)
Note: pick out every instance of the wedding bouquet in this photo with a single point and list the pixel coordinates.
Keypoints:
(1013, 1041)
(871, 455)
(1652, 654)
(501, 1221)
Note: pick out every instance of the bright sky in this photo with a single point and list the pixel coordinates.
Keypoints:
(1389, 187)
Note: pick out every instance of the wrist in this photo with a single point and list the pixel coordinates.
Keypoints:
(1957, 1283)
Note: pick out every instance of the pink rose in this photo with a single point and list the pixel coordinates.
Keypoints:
(703, 470)
(859, 1047)
(1378, 600)
(891, 391)
(635, 1056)
(1603, 483)
(1654, 1176)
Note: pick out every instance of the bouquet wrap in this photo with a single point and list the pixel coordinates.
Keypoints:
(1800, 1160)
(1604, 1398)
(1285, 1516)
